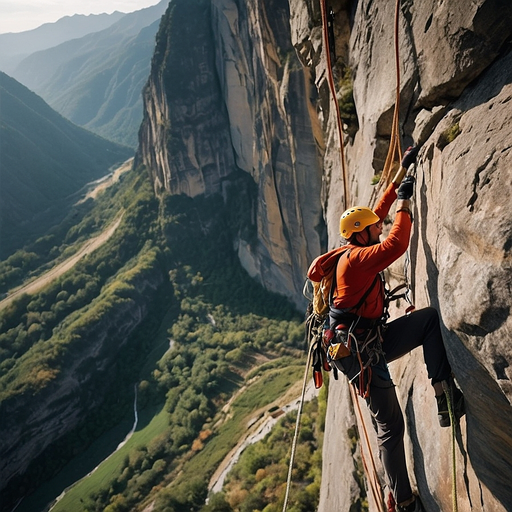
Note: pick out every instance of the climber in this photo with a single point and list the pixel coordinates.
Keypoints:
(381, 342)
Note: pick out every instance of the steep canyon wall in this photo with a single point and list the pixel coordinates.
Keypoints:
(239, 103)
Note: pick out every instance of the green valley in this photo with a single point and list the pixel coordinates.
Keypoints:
(162, 304)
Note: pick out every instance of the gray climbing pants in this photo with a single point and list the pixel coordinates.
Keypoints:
(420, 328)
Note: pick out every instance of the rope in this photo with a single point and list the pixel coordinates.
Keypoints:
(446, 390)
(394, 151)
(372, 476)
(394, 147)
(297, 426)
(335, 99)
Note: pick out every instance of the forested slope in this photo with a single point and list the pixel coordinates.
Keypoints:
(163, 305)
(45, 161)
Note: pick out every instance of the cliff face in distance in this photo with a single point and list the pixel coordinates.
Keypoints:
(243, 89)
(227, 94)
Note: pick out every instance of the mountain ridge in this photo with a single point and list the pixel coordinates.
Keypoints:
(14, 47)
(96, 80)
(45, 160)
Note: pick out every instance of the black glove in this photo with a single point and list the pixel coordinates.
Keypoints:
(410, 156)
(406, 189)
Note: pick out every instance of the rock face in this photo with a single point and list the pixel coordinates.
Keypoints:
(265, 109)
(456, 84)
(241, 101)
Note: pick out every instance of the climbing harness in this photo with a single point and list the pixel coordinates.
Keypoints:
(354, 344)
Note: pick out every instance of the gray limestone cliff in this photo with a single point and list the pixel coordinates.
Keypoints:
(456, 84)
(226, 95)
(241, 87)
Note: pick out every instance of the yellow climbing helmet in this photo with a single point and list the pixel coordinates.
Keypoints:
(356, 219)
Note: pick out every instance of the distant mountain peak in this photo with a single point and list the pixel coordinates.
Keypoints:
(14, 47)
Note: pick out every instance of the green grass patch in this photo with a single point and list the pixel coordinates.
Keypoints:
(151, 425)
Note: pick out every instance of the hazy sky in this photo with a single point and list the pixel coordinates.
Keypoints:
(21, 15)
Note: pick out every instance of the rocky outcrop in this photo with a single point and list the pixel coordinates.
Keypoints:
(244, 103)
(267, 111)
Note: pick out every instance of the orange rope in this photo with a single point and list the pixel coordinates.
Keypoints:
(372, 476)
(335, 99)
(394, 147)
(394, 151)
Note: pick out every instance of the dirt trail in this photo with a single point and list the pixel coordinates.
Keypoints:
(42, 281)
(290, 401)
(107, 181)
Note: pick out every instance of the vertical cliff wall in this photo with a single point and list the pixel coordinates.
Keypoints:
(227, 94)
(241, 87)
(456, 87)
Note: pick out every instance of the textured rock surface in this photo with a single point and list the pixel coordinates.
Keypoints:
(184, 139)
(248, 109)
(461, 243)
(277, 122)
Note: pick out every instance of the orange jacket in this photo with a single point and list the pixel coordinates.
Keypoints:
(356, 273)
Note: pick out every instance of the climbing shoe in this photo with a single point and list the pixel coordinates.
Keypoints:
(457, 403)
(415, 506)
